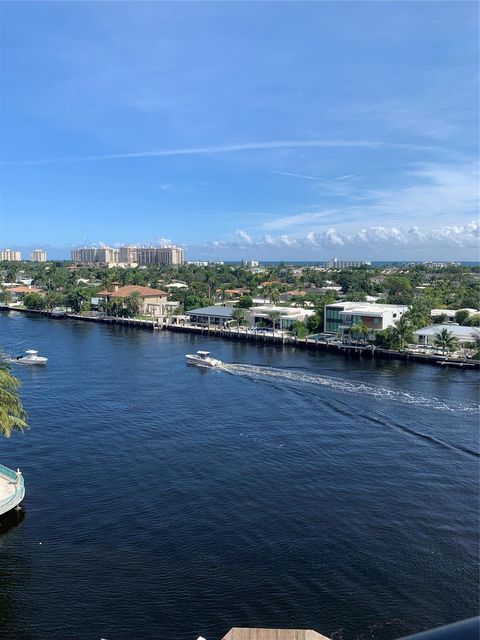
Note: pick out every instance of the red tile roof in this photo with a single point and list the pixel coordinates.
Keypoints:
(25, 290)
(124, 292)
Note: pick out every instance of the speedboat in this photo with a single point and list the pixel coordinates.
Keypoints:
(202, 359)
(31, 357)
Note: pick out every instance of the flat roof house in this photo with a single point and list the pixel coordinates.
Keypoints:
(288, 315)
(340, 316)
(213, 315)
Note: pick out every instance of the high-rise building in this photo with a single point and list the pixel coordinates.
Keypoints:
(129, 254)
(95, 255)
(151, 255)
(10, 256)
(38, 255)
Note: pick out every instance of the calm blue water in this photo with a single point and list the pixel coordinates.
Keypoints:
(295, 489)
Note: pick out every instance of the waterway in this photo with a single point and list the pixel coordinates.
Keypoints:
(292, 488)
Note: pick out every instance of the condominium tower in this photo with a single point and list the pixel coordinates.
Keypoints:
(38, 255)
(129, 255)
(10, 256)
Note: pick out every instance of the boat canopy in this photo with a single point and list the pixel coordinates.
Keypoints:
(31, 351)
(203, 353)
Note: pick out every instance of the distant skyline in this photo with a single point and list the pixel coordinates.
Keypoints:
(264, 130)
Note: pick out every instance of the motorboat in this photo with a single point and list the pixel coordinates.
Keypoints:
(31, 357)
(202, 359)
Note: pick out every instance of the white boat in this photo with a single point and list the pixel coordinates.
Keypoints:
(202, 359)
(31, 357)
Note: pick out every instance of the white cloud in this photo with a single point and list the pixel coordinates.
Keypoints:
(243, 235)
(367, 238)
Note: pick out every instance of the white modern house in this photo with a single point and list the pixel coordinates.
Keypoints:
(288, 315)
(340, 316)
(427, 335)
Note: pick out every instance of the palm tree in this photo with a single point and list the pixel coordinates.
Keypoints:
(274, 295)
(12, 414)
(402, 333)
(476, 339)
(6, 296)
(133, 303)
(445, 340)
(360, 329)
(238, 315)
(274, 316)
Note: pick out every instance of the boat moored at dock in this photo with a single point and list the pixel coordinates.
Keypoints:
(202, 359)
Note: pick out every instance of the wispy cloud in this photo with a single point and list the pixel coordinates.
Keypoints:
(229, 148)
(437, 191)
(297, 175)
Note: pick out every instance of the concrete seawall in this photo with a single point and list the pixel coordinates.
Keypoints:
(348, 351)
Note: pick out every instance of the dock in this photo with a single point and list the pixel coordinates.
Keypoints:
(350, 351)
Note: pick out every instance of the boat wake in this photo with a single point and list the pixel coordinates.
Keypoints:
(272, 374)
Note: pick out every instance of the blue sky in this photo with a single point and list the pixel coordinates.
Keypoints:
(276, 130)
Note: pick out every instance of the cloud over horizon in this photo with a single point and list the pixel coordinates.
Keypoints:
(364, 242)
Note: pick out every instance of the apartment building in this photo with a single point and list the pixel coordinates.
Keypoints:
(95, 255)
(8, 255)
(340, 316)
(333, 263)
(38, 255)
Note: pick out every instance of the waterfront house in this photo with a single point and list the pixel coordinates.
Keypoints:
(18, 293)
(210, 316)
(427, 335)
(153, 302)
(288, 315)
(340, 316)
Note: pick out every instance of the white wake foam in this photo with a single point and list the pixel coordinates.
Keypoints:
(347, 386)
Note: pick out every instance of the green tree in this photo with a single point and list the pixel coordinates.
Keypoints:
(133, 303)
(54, 299)
(476, 339)
(360, 330)
(274, 317)
(419, 314)
(239, 316)
(274, 295)
(402, 334)
(315, 323)
(445, 340)
(474, 320)
(33, 301)
(12, 413)
(462, 316)
(299, 329)
(78, 299)
(245, 302)
(6, 296)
